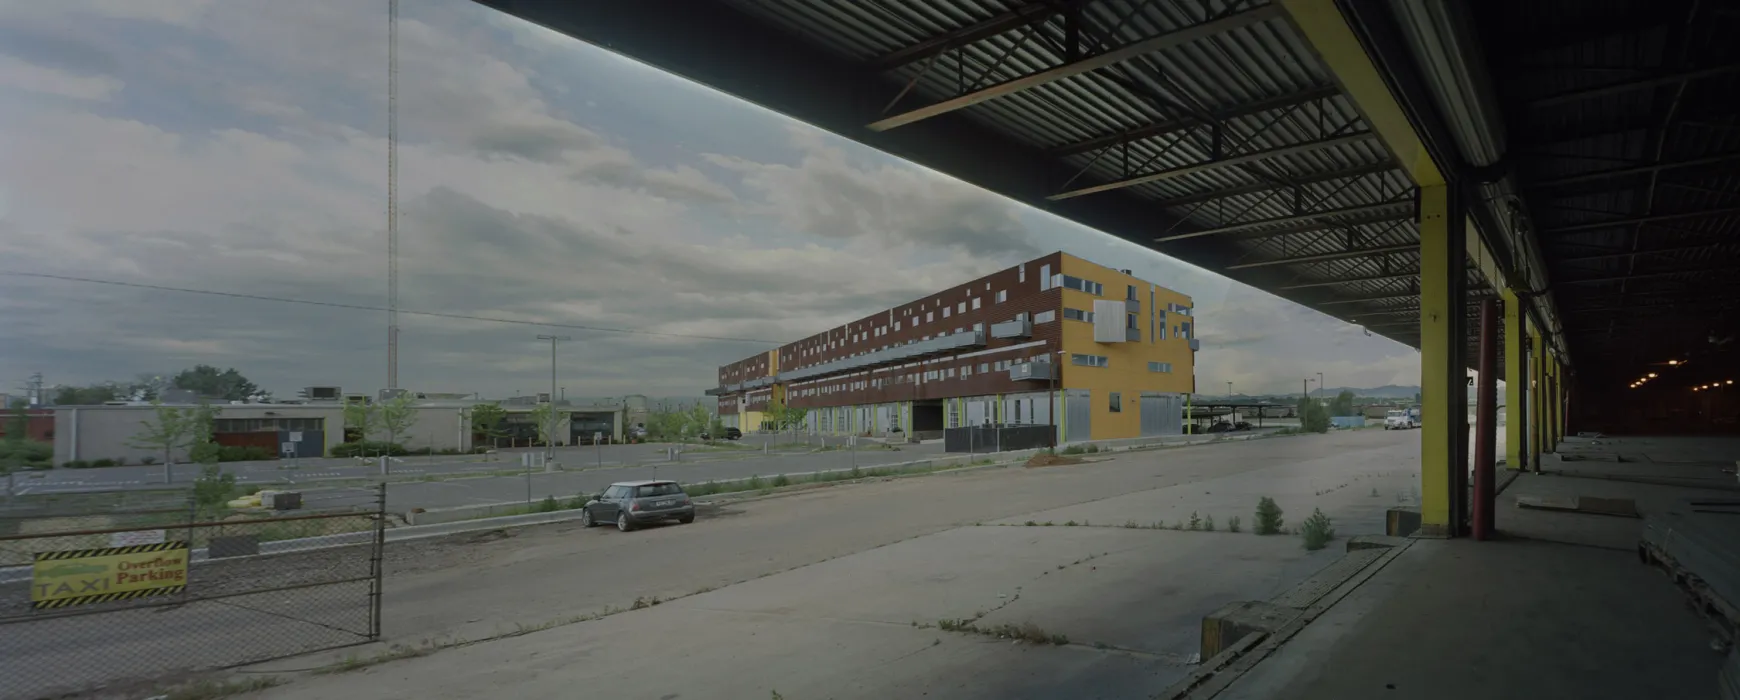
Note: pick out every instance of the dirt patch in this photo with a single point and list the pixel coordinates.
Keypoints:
(1050, 460)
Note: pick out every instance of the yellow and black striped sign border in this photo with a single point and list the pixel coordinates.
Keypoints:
(104, 597)
(110, 551)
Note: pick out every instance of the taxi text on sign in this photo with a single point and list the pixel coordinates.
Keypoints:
(79, 577)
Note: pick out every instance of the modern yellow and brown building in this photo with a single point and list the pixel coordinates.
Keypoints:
(1057, 340)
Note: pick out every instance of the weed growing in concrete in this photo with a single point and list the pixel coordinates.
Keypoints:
(1048, 523)
(776, 696)
(1178, 525)
(1317, 530)
(1208, 523)
(1268, 517)
(577, 502)
(1069, 524)
(755, 483)
(1030, 523)
(1232, 524)
(1195, 522)
(780, 481)
(549, 505)
(213, 690)
(393, 653)
(1131, 524)
(1374, 493)
(646, 602)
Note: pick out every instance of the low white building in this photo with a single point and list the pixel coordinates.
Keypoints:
(89, 433)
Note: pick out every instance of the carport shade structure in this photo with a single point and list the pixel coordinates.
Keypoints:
(1290, 145)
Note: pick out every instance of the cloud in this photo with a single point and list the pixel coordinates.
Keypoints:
(240, 147)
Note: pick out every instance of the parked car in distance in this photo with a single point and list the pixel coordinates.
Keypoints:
(727, 434)
(631, 504)
(1400, 420)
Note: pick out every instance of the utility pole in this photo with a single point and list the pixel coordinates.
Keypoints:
(550, 430)
(393, 197)
(1320, 384)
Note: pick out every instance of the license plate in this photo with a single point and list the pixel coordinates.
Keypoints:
(661, 504)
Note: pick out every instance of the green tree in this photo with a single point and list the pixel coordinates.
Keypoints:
(397, 416)
(1313, 416)
(364, 418)
(92, 395)
(548, 421)
(171, 428)
(1342, 405)
(207, 380)
(213, 490)
(487, 419)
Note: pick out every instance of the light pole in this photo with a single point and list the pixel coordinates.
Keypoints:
(1229, 391)
(1320, 380)
(550, 430)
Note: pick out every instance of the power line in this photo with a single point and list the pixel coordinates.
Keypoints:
(366, 307)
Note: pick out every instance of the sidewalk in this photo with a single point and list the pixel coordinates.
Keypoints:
(1559, 607)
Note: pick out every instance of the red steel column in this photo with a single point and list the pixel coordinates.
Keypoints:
(1486, 422)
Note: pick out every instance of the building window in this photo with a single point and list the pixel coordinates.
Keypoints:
(1130, 322)
(966, 371)
(1044, 277)
(1021, 274)
(1161, 367)
(1184, 330)
(984, 367)
(1089, 360)
(977, 301)
(1131, 296)
(1117, 402)
(961, 307)
(1044, 317)
(1078, 315)
(1002, 295)
(929, 316)
(1081, 285)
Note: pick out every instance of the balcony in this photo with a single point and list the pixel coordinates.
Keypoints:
(1132, 306)
(1038, 369)
(1195, 345)
(1133, 334)
(1018, 328)
(894, 355)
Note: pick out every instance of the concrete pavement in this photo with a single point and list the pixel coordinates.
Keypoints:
(833, 592)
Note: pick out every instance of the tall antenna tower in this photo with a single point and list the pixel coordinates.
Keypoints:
(392, 197)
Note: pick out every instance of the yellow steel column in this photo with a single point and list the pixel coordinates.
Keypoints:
(1444, 401)
(1537, 396)
(1515, 379)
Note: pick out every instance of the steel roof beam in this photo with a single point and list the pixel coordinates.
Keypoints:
(1362, 300)
(1324, 257)
(1266, 187)
(1216, 164)
(1635, 170)
(1350, 280)
(1091, 63)
(1025, 15)
(1632, 221)
(1310, 221)
(1182, 123)
(1641, 253)
(1646, 275)
(1632, 85)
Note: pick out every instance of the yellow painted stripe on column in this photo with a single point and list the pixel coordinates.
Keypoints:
(1437, 426)
(1326, 31)
(1515, 378)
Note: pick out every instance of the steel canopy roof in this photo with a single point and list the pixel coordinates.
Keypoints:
(1206, 130)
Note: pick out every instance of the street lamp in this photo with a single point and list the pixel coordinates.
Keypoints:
(550, 430)
(1320, 386)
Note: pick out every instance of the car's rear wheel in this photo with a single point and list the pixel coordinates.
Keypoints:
(586, 517)
(623, 523)
(686, 519)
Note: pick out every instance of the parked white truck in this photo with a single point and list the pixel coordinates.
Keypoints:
(1400, 420)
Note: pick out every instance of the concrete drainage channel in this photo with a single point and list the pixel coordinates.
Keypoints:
(1240, 635)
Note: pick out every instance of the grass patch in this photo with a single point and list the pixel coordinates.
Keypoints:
(1268, 520)
(1025, 632)
(211, 690)
(394, 653)
(1317, 530)
(1048, 459)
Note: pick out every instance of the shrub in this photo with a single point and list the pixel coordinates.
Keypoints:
(1093, 449)
(102, 463)
(1195, 522)
(76, 464)
(1317, 530)
(781, 480)
(232, 453)
(578, 501)
(1268, 517)
(368, 448)
(1074, 450)
(549, 505)
(147, 461)
(27, 451)
(1208, 523)
(1232, 524)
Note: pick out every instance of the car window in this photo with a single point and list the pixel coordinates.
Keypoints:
(613, 492)
(653, 490)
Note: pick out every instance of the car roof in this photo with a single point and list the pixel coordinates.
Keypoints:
(648, 482)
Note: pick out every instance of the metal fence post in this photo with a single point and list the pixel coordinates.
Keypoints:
(376, 560)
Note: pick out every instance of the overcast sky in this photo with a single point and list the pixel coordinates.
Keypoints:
(239, 146)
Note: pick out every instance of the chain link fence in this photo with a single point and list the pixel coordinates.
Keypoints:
(118, 599)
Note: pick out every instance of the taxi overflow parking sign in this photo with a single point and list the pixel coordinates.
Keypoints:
(79, 577)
